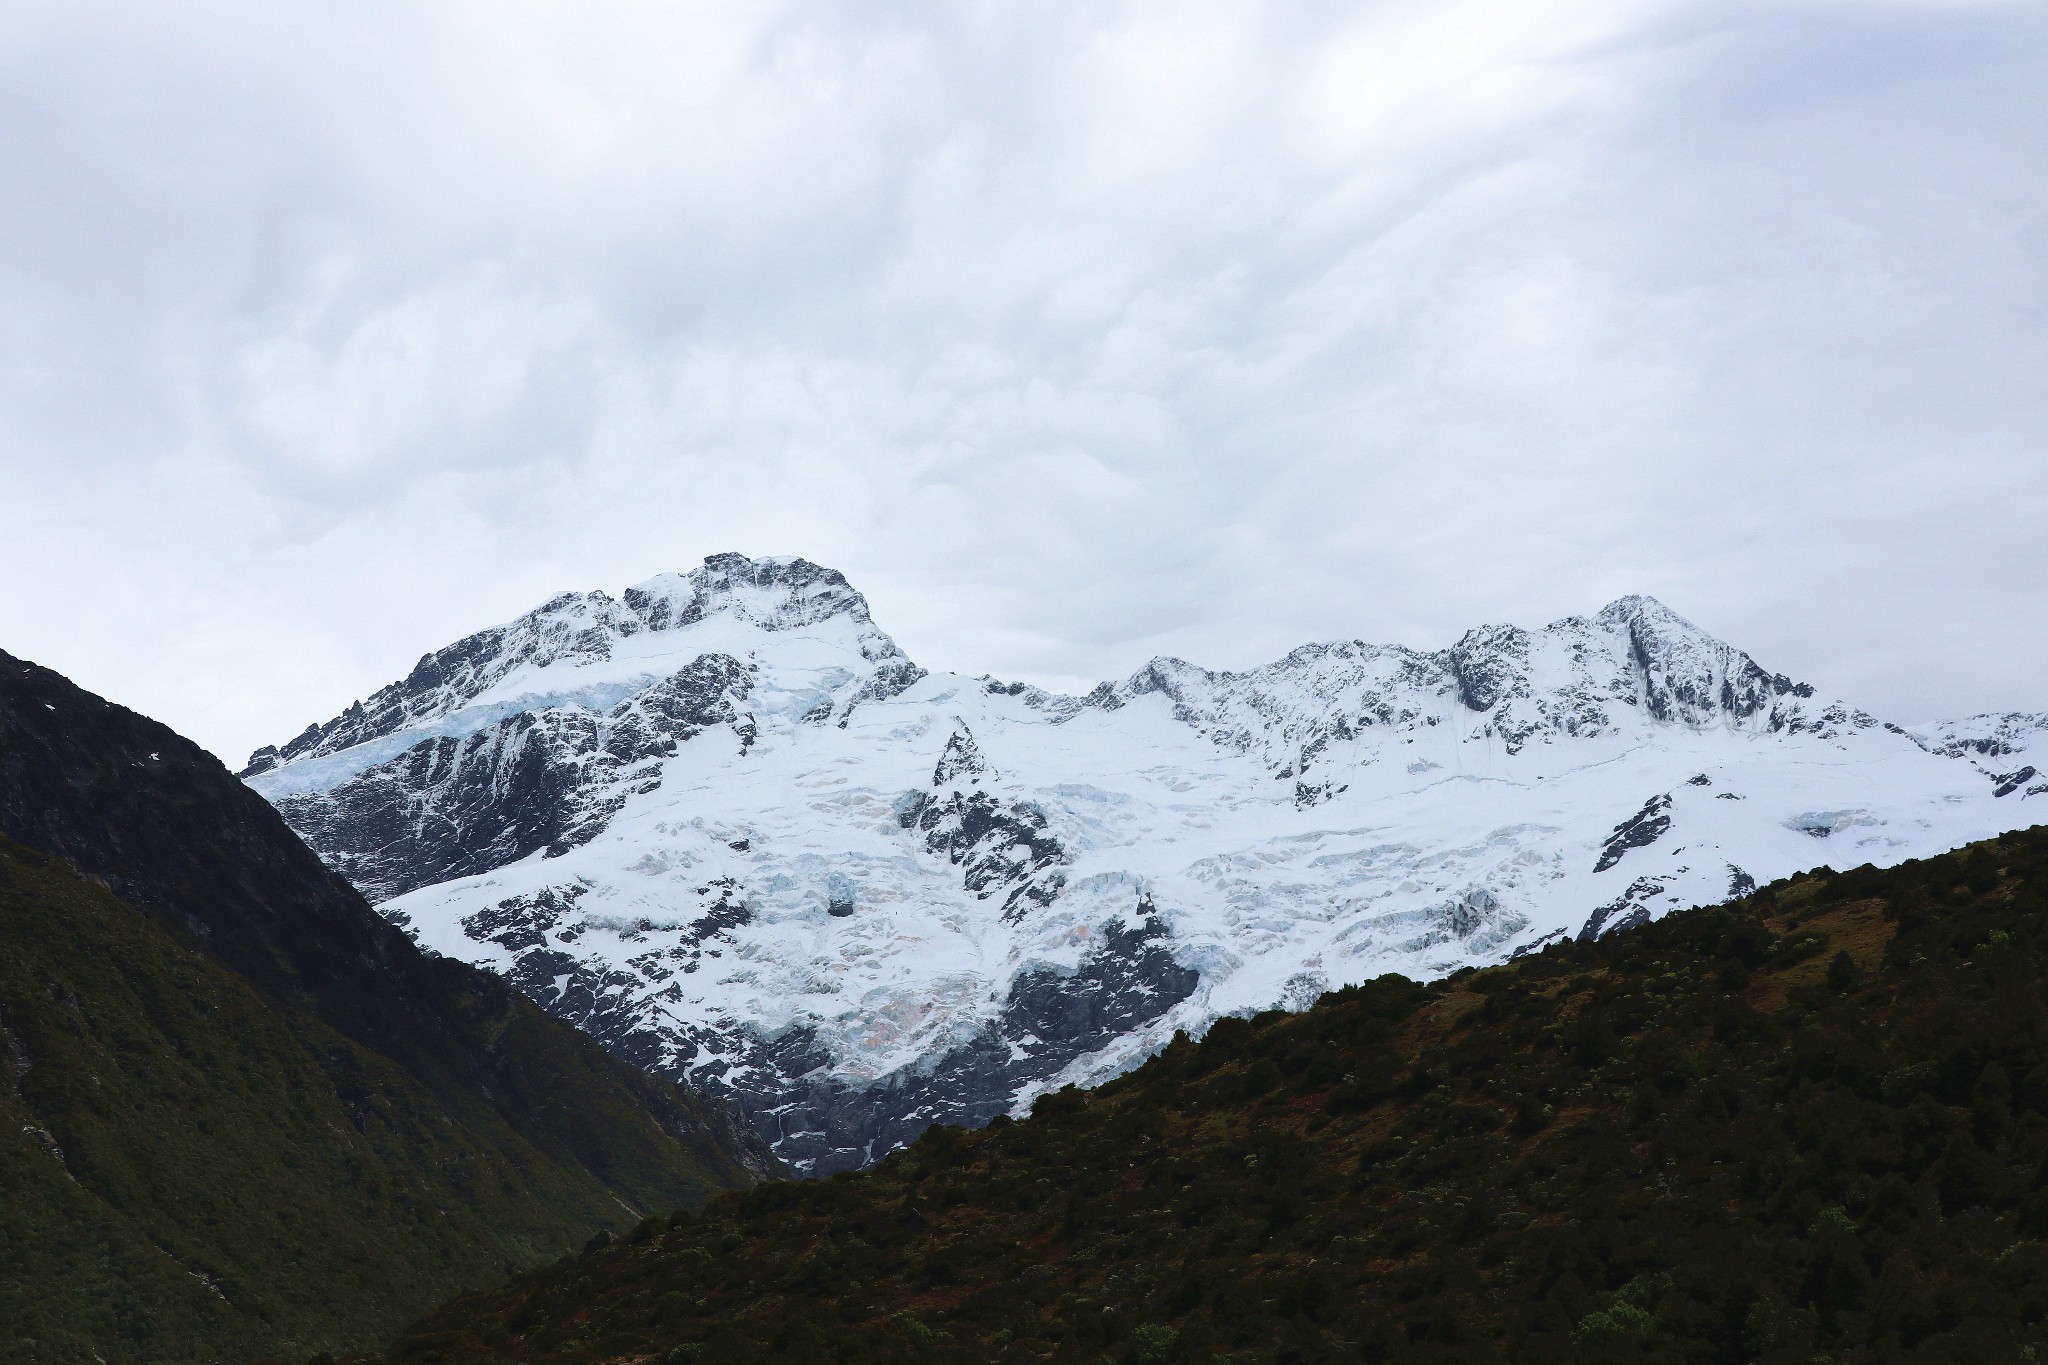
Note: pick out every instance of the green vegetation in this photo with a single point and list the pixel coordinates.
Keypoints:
(187, 1173)
(239, 1112)
(1808, 1126)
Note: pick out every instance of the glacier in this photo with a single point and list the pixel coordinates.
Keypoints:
(723, 823)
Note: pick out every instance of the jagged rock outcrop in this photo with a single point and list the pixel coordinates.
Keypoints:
(1997, 745)
(576, 631)
(1000, 847)
(545, 781)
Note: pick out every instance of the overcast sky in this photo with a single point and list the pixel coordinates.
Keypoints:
(1072, 333)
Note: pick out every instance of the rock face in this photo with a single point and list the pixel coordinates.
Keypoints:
(2001, 745)
(545, 780)
(726, 826)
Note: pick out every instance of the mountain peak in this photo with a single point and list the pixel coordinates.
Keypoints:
(580, 640)
(1655, 628)
(1683, 673)
(779, 592)
(1638, 606)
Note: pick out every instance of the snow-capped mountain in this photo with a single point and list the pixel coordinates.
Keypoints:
(727, 826)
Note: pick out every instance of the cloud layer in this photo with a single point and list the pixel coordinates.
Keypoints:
(1073, 334)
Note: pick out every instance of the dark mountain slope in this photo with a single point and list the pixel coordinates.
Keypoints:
(188, 1176)
(229, 1079)
(1809, 1125)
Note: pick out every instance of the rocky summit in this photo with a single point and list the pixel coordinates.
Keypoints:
(725, 824)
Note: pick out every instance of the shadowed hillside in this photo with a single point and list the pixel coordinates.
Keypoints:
(239, 1113)
(1808, 1125)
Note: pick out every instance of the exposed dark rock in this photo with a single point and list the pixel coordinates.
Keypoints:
(1986, 736)
(798, 593)
(1676, 675)
(603, 1000)
(1047, 1020)
(1464, 915)
(1671, 670)
(551, 779)
(2008, 783)
(889, 680)
(704, 693)
(812, 1120)
(777, 595)
(997, 846)
(961, 760)
(1311, 794)
(1640, 830)
(1536, 945)
(1490, 663)
(1630, 908)
(1038, 699)
(569, 626)
(1001, 847)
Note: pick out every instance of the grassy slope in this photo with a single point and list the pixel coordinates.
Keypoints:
(188, 1174)
(1809, 1125)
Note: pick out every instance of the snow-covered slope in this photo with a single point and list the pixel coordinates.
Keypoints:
(2010, 748)
(729, 828)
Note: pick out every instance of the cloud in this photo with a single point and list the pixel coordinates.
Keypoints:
(1071, 335)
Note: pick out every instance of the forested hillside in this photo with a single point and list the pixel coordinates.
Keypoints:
(240, 1114)
(1811, 1124)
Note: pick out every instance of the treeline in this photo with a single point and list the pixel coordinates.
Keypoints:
(1811, 1125)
